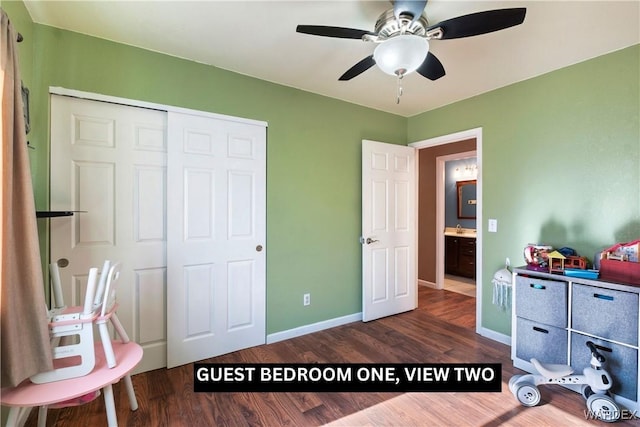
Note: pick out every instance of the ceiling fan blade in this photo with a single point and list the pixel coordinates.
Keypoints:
(431, 67)
(412, 7)
(359, 68)
(480, 23)
(340, 32)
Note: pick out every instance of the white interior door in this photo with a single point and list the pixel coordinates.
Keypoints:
(389, 277)
(110, 161)
(216, 237)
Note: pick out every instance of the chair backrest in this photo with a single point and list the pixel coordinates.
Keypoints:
(92, 280)
(97, 300)
(56, 286)
(109, 299)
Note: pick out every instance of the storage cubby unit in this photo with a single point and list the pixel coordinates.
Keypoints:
(555, 315)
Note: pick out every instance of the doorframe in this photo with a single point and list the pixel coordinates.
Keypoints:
(448, 139)
(440, 212)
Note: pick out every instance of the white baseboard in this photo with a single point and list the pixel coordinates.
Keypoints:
(314, 327)
(427, 284)
(496, 336)
(357, 317)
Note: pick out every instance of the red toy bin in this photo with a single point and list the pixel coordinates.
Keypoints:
(620, 271)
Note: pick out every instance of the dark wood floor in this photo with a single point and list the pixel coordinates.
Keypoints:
(441, 330)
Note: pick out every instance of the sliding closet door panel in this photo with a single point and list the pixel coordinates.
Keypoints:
(109, 161)
(216, 237)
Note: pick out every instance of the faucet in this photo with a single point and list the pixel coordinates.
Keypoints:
(458, 229)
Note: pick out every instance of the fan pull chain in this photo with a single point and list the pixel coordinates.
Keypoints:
(399, 88)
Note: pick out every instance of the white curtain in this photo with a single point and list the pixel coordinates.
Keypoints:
(24, 339)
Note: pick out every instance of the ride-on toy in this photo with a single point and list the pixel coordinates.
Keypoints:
(595, 381)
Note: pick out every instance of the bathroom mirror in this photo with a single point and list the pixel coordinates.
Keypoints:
(466, 199)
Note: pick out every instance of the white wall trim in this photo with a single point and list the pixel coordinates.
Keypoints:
(447, 139)
(54, 90)
(313, 327)
(357, 317)
(427, 284)
(496, 336)
(440, 209)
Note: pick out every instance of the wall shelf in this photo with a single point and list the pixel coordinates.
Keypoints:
(53, 214)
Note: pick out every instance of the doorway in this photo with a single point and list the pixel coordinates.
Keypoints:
(457, 202)
(431, 223)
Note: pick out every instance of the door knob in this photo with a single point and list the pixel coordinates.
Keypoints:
(259, 248)
(63, 262)
(370, 240)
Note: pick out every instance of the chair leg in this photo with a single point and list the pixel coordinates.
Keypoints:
(110, 406)
(42, 416)
(133, 402)
(18, 416)
(14, 416)
(119, 328)
(106, 344)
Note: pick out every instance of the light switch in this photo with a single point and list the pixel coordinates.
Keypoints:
(493, 225)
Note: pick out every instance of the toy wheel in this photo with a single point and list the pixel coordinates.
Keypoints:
(512, 383)
(586, 391)
(528, 394)
(603, 407)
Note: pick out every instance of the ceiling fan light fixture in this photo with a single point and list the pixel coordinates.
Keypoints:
(401, 55)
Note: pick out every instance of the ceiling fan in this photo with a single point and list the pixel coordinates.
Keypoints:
(403, 33)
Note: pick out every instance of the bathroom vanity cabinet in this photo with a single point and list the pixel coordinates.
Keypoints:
(460, 256)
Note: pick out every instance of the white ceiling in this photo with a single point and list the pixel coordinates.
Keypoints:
(259, 39)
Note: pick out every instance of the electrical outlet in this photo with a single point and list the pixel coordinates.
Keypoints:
(306, 299)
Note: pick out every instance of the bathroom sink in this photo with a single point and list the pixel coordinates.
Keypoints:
(462, 232)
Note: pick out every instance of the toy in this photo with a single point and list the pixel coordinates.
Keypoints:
(502, 287)
(595, 381)
(536, 257)
(558, 262)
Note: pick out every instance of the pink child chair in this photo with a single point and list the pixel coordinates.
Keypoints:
(72, 331)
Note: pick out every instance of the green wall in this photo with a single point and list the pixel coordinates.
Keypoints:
(560, 161)
(561, 157)
(21, 22)
(313, 157)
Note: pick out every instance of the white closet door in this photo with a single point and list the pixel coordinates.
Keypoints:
(110, 161)
(216, 237)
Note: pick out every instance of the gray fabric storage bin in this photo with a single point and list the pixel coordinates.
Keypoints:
(546, 343)
(622, 363)
(606, 313)
(542, 300)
